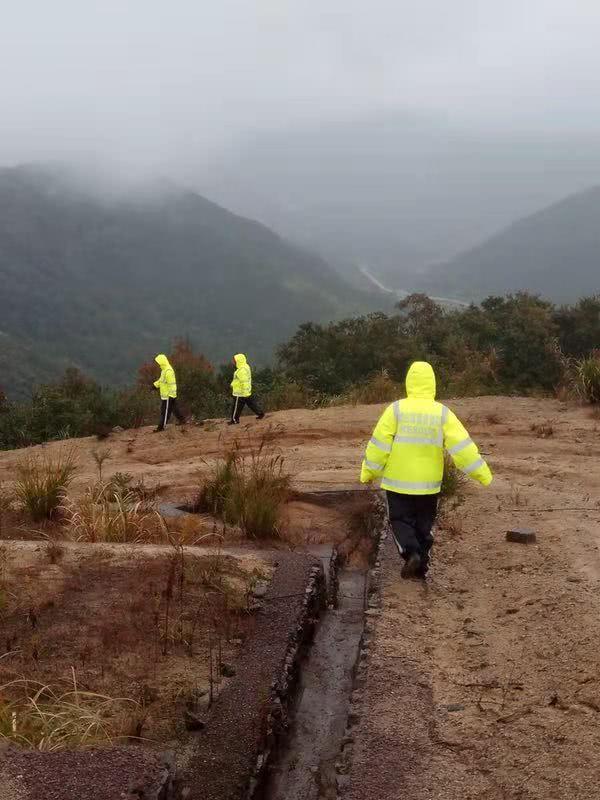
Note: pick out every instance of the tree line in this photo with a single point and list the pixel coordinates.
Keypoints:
(515, 344)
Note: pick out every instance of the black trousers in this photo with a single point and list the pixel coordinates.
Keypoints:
(238, 406)
(412, 517)
(168, 407)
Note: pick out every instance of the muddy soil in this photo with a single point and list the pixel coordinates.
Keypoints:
(116, 622)
(486, 684)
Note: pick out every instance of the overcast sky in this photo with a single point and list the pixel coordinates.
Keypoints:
(150, 82)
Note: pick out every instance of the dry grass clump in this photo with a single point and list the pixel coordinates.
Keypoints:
(5, 503)
(122, 486)
(492, 418)
(587, 378)
(99, 517)
(49, 718)
(42, 484)
(115, 510)
(54, 551)
(543, 430)
(453, 482)
(248, 489)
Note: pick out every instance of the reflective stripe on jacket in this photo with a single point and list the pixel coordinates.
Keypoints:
(241, 385)
(167, 383)
(406, 450)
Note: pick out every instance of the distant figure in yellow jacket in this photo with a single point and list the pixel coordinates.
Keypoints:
(241, 389)
(406, 452)
(167, 385)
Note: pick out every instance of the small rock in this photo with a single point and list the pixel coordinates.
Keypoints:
(260, 589)
(574, 579)
(227, 671)
(192, 721)
(117, 429)
(520, 536)
(451, 707)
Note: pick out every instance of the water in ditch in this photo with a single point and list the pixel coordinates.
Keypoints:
(306, 768)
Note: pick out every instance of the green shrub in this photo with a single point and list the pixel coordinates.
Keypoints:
(42, 484)
(287, 394)
(379, 388)
(214, 492)
(587, 377)
(453, 482)
(136, 407)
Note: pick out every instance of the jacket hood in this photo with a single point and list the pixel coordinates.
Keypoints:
(240, 360)
(420, 381)
(162, 361)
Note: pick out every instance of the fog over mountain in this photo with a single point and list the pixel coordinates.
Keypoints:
(387, 135)
(397, 192)
(103, 278)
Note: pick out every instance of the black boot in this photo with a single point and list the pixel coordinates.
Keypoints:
(412, 566)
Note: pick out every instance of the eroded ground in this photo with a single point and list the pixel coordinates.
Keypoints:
(487, 683)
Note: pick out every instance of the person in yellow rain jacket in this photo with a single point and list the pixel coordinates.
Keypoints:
(406, 452)
(167, 385)
(241, 389)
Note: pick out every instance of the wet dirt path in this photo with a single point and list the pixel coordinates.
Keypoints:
(306, 768)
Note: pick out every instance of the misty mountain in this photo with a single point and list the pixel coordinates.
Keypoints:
(397, 192)
(555, 253)
(105, 278)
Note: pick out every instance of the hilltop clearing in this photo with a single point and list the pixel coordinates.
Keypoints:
(485, 683)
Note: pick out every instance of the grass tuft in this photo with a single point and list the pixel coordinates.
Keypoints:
(45, 717)
(42, 484)
(587, 378)
(453, 482)
(248, 489)
(99, 516)
(543, 430)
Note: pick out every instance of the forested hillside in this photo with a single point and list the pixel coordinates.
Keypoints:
(100, 280)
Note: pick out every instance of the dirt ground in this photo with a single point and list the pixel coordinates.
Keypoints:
(485, 684)
(142, 625)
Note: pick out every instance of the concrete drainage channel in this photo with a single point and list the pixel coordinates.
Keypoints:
(313, 761)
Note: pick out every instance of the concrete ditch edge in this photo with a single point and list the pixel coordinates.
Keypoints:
(283, 690)
(373, 602)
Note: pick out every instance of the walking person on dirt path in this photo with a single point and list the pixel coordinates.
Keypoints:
(406, 452)
(241, 389)
(167, 385)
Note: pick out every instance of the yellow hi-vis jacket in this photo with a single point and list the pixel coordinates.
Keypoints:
(241, 385)
(407, 447)
(166, 383)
